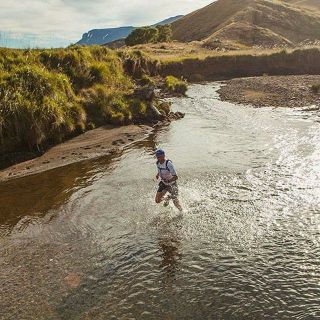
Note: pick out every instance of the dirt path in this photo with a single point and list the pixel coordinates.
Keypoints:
(272, 91)
(92, 144)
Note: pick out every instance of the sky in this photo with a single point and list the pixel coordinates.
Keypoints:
(54, 23)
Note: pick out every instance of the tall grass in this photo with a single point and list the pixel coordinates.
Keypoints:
(47, 95)
(174, 85)
(37, 106)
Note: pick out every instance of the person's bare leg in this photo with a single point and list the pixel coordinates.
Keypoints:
(160, 196)
(176, 202)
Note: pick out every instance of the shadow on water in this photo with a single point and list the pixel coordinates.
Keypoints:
(170, 245)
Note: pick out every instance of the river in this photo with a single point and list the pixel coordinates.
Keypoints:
(87, 241)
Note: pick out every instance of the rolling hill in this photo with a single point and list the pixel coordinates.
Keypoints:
(308, 4)
(264, 23)
(104, 36)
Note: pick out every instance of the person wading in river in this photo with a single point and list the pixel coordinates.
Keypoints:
(168, 183)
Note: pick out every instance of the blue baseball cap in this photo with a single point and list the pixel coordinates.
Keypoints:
(159, 153)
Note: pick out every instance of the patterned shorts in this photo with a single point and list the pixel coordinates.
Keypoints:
(172, 189)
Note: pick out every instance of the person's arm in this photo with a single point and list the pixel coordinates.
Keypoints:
(173, 172)
(174, 178)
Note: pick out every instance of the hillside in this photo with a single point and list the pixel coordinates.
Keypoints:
(252, 22)
(308, 4)
(104, 36)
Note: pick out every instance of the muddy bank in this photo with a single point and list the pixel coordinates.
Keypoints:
(92, 144)
(273, 91)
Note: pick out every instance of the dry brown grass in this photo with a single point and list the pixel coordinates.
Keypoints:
(306, 4)
(201, 24)
(178, 51)
(252, 22)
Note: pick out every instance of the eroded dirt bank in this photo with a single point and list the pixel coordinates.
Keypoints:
(96, 143)
(224, 67)
(273, 91)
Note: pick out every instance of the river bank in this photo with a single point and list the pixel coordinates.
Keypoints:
(92, 144)
(273, 91)
(225, 66)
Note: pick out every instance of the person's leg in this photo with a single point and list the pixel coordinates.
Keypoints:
(159, 196)
(176, 202)
(174, 194)
(162, 190)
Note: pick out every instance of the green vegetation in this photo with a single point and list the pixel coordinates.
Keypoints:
(315, 88)
(147, 81)
(48, 95)
(149, 35)
(36, 106)
(165, 33)
(175, 85)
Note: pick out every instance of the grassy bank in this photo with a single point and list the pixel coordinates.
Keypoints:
(49, 95)
(243, 64)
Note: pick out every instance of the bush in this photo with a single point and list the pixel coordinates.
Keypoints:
(315, 88)
(175, 85)
(142, 35)
(149, 35)
(47, 95)
(104, 105)
(38, 106)
(138, 108)
(165, 33)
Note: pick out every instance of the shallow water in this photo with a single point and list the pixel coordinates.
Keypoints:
(87, 241)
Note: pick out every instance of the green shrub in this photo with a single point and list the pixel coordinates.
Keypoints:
(104, 105)
(165, 33)
(175, 85)
(149, 35)
(142, 35)
(315, 88)
(37, 107)
(138, 108)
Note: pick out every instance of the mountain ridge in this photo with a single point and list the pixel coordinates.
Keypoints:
(108, 35)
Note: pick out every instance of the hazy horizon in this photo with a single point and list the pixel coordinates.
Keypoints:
(58, 23)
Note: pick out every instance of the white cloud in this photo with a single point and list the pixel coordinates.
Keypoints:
(68, 19)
